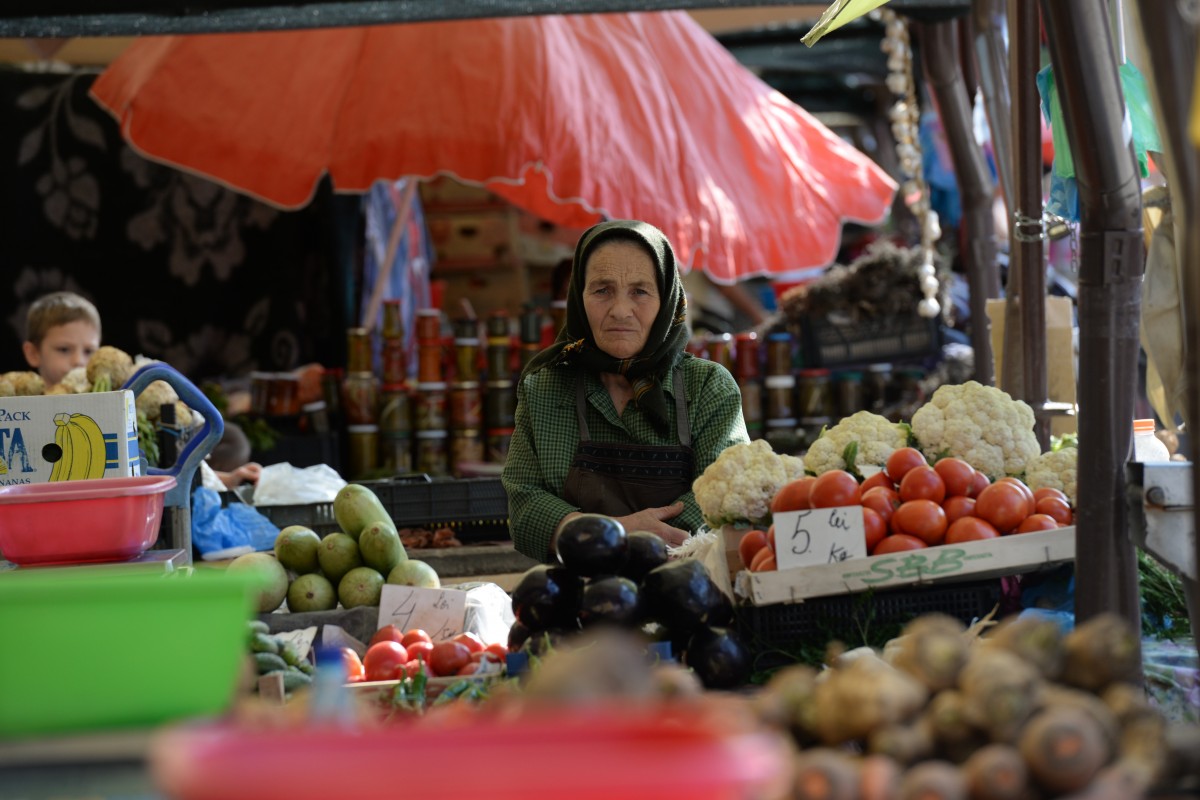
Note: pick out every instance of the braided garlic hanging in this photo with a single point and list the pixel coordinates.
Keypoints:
(905, 115)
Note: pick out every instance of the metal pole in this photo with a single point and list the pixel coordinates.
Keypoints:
(940, 62)
(1111, 262)
(1169, 42)
(1027, 249)
(991, 61)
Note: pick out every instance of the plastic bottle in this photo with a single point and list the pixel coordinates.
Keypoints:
(1146, 446)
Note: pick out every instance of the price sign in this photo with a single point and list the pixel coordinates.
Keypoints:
(301, 639)
(819, 536)
(336, 636)
(439, 612)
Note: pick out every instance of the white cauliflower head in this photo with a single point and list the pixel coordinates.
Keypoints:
(76, 381)
(153, 397)
(877, 438)
(741, 483)
(1054, 469)
(109, 367)
(26, 383)
(980, 424)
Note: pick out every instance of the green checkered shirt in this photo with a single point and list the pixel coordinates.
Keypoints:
(547, 433)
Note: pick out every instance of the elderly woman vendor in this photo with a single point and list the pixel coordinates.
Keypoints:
(614, 417)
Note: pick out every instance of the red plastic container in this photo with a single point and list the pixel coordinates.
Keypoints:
(622, 752)
(75, 522)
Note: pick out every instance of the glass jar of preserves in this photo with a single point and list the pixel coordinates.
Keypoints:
(498, 440)
(393, 319)
(720, 350)
(815, 394)
(780, 391)
(363, 450)
(466, 358)
(746, 355)
(395, 411)
(466, 406)
(779, 353)
(752, 406)
(429, 325)
(430, 407)
(849, 392)
(433, 452)
(876, 385)
(396, 452)
(500, 406)
(466, 446)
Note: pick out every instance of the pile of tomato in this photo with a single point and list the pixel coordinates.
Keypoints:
(394, 654)
(911, 505)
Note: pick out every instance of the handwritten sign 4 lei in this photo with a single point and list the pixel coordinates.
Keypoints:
(439, 612)
(819, 536)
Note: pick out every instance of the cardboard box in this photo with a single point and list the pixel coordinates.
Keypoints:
(1060, 355)
(68, 437)
(1008, 555)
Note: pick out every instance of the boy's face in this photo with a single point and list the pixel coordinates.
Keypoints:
(63, 348)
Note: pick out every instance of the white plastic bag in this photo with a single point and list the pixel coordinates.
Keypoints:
(285, 485)
(489, 611)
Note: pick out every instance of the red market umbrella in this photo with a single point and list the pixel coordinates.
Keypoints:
(572, 118)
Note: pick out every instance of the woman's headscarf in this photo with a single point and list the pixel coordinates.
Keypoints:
(576, 346)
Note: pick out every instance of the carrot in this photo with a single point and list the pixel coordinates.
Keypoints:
(1064, 749)
(996, 772)
(1101, 651)
(1000, 692)
(933, 780)
(825, 774)
(878, 778)
(932, 648)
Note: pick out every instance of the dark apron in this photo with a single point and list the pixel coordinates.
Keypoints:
(620, 479)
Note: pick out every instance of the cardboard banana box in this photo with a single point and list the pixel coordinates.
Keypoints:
(68, 437)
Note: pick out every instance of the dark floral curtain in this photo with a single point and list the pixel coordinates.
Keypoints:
(181, 269)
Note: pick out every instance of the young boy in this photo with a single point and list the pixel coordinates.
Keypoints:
(62, 330)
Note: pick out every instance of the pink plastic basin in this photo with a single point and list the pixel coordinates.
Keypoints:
(74, 522)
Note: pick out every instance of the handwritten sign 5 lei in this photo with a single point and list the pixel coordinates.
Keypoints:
(819, 536)
(439, 612)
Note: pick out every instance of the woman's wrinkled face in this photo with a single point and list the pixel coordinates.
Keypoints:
(620, 296)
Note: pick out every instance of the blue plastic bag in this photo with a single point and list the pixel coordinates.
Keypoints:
(237, 525)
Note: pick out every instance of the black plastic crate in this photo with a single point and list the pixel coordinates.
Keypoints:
(475, 508)
(789, 629)
(826, 344)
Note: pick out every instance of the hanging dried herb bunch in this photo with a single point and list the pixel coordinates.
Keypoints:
(883, 282)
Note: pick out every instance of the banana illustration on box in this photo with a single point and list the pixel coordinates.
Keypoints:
(83, 445)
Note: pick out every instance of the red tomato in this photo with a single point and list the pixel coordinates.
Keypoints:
(794, 496)
(354, 665)
(874, 527)
(469, 669)
(420, 651)
(1052, 506)
(978, 484)
(499, 651)
(883, 500)
(388, 633)
(484, 655)
(471, 641)
(957, 474)
(1046, 491)
(771, 538)
(762, 559)
(382, 659)
(448, 658)
(1003, 505)
(923, 519)
(958, 507)
(750, 543)
(969, 529)
(411, 670)
(898, 543)
(902, 460)
(1037, 522)
(878, 479)
(835, 488)
(416, 635)
(1026, 492)
(922, 483)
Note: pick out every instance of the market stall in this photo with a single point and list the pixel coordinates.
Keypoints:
(1071, 717)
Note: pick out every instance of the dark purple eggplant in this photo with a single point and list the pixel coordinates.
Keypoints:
(719, 658)
(592, 544)
(546, 597)
(518, 634)
(646, 551)
(610, 600)
(683, 597)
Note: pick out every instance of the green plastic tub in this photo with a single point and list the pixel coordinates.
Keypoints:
(88, 649)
